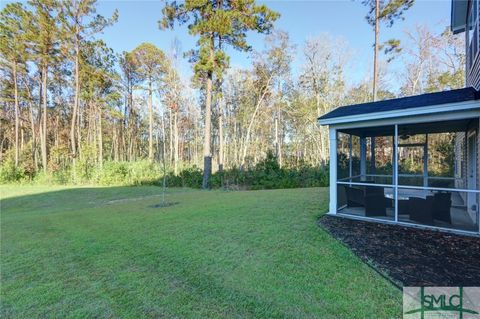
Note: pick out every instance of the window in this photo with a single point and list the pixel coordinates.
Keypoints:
(472, 33)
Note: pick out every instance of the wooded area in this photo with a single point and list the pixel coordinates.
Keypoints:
(75, 111)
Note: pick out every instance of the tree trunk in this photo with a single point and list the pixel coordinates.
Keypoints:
(235, 142)
(175, 146)
(195, 141)
(75, 104)
(207, 156)
(17, 151)
(375, 51)
(249, 129)
(277, 148)
(34, 138)
(100, 138)
(150, 125)
(164, 147)
(32, 125)
(44, 130)
(220, 140)
(131, 125)
(115, 143)
(57, 130)
(280, 143)
(170, 133)
(22, 137)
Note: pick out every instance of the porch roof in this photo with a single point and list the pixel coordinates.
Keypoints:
(403, 104)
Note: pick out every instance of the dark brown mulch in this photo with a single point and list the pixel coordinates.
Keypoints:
(410, 256)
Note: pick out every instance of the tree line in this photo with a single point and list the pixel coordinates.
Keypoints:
(71, 107)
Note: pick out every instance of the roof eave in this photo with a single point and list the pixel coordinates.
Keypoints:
(425, 110)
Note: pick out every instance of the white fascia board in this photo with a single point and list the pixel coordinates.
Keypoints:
(426, 110)
(411, 119)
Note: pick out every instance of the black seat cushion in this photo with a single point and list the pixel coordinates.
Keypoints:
(442, 202)
(421, 210)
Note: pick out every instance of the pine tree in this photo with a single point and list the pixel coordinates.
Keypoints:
(150, 62)
(384, 11)
(80, 22)
(98, 78)
(129, 79)
(14, 20)
(44, 38)
(216, 23)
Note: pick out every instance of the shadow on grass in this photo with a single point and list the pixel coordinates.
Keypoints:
(37, 199)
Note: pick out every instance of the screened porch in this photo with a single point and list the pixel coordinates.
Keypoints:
(422, 173)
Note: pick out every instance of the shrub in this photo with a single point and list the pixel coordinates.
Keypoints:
(9, 173)
(143, 172)
(189, 177)
(267, 174)
(60, 177)
(112, 173)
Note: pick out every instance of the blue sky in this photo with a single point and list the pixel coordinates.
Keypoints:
(302, 19)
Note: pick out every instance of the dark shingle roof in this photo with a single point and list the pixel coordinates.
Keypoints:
(437, 98)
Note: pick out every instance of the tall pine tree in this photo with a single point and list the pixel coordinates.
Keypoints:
(216, 23)
(387, 11)
(44, 38)
(150, 62)
(79, 22)
(14, 20)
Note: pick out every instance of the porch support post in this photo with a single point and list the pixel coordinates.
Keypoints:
(363, 159)
(333, 170)
(395, 171)
(372, 152)
(350, 159)
(425, 162)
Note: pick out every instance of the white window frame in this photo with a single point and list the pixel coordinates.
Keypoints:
(472, 51)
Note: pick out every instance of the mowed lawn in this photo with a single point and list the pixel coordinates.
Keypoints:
(109, 253)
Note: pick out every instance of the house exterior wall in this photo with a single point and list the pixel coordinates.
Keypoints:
(472, 41)
(472, 78)
(461, 158)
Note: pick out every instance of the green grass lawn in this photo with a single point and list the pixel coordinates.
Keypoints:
(107, 253)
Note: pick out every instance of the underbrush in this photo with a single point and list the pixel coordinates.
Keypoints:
(266, 174)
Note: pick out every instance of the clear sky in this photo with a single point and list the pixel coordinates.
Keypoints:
(302, 19)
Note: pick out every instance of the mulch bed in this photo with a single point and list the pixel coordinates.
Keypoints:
(410, 256)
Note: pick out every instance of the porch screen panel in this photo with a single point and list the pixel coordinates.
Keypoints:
(438, 178)
(379, 165)
(355, 156)
(434, 154)
(365, 172)
(411, 158)
(445, 208)
(343, 155)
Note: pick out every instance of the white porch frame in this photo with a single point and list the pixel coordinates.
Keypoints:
(465, 110)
